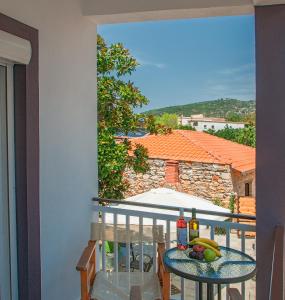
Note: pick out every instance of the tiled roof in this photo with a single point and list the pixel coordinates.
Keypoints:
(188, 145)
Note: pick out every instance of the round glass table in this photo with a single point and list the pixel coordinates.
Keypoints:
(234, 266)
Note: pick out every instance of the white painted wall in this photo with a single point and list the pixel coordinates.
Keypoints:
(205, 125)
(68, 175)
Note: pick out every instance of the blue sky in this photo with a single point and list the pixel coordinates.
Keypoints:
(186, 61)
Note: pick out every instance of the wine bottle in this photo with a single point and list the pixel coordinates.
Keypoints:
(181, 226)
(193, 226)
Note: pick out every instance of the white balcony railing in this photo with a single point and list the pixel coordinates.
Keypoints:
(227, 233)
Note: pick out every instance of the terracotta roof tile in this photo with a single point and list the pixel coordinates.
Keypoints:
(187, 145)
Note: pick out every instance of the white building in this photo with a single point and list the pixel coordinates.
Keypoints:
(201, 123)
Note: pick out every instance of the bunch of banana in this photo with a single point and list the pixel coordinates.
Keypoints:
(207, 244)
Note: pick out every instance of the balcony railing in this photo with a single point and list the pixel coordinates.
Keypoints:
(228, 233)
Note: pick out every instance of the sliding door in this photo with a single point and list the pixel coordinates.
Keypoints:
(8, 268)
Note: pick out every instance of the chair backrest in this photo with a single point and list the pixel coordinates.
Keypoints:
(127, 234)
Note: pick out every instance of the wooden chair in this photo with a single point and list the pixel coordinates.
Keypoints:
(123, 285)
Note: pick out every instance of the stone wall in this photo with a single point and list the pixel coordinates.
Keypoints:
(210, 181)
(239, 181)
(154, 178)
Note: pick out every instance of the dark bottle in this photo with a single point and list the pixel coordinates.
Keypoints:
(193, 226)
(181, 226)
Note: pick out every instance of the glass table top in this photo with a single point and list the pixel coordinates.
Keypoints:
(234, 266)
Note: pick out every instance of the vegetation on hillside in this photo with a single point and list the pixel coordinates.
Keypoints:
(171, 121)
(246, 118)
(222, 108)
(245, 136)
(117, 98)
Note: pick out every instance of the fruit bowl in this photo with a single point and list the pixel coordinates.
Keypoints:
(204, 250)
(203, 260)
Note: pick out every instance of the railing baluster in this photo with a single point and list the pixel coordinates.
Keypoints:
(141, 244)
(116, 252)
(103, 246)
(182, 281)
(128, 245)
(168, 244)
(154, 250)
(228, 242)
(212, 232)
(243, 250)
(228, 237)
(168, 234)
(197, 291)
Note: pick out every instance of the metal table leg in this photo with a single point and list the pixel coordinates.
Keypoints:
(200, 291)
(210, 292)
(219, 292)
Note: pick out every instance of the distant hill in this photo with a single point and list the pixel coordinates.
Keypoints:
(215, 108)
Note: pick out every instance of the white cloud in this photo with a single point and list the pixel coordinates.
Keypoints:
(147, 63)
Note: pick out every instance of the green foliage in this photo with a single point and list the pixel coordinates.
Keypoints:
(219, 230)
(216, 108)
(246, 118)
(169, 120)
(245, 136)
(117, 98)
(234, 117)
(113, 158)
(218, 201)
(186, 127)
(232, 203)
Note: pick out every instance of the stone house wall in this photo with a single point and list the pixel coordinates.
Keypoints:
(154, 178)
(239, 181)
(210, 181)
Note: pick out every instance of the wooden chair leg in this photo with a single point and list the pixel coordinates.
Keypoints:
(234, 294)
(166, 287)
(84, 285)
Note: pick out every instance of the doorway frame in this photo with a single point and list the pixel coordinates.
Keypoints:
(26, 116)
(12, 232)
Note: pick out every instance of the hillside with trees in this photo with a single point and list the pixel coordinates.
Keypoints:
(231, 109)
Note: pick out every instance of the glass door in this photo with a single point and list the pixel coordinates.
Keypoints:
(8, 252)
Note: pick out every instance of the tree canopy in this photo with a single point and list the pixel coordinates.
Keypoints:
(171, 121)
(245, 136)
(117, 99)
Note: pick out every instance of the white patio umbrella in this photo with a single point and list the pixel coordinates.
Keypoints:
(166, 197)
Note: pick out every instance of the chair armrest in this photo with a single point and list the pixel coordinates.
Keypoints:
(234, 294)
(136, 293)
(86, 256)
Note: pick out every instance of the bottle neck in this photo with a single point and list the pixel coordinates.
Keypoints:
(193, 213)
